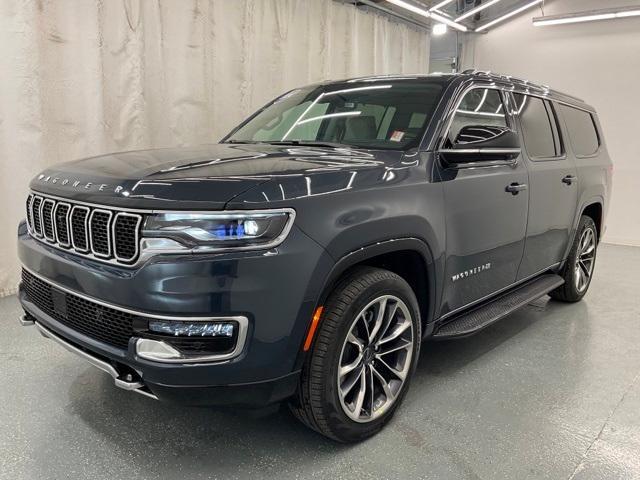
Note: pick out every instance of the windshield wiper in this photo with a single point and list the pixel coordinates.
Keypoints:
(240, 142)
(308, 143)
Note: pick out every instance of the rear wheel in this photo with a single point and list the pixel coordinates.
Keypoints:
(578, 269)
(366, 349)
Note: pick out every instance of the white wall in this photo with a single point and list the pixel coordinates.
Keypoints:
(80, 78)
(598, 61)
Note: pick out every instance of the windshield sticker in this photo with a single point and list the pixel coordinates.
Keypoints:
(397, 136)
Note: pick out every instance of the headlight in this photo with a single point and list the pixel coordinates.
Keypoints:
(206, 232)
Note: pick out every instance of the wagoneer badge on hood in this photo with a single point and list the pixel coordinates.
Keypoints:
(101, 187)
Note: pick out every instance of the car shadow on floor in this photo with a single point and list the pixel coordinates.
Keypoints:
(158, 435)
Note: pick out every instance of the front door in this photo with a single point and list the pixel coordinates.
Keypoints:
(553, 185)
(485, 223)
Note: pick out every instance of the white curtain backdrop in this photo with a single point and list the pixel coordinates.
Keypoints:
(85, 77)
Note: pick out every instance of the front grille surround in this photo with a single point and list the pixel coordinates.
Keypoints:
(93, 231)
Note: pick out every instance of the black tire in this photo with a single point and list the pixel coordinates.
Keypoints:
(569, 291)
(317, 403)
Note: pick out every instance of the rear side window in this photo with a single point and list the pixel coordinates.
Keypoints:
(539, 127)
(582, 131)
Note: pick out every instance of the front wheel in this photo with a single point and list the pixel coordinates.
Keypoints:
(578, 269)
(366, 349)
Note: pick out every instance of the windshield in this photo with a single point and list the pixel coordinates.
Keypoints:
(390, 115)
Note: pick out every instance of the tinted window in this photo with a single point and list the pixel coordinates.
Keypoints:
(536, 117)
(389, 115)
(582, 131)
(479, 107)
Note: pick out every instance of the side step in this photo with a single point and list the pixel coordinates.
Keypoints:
(474, 320)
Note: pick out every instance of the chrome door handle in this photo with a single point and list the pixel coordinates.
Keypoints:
(569, 179)
(516, 188)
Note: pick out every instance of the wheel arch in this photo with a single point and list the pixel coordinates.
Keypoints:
(595, 211)
(411, 258)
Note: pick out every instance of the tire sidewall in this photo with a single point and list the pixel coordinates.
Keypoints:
(339, 422)
(585, 223)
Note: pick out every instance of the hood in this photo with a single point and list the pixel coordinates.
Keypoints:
(208, 176)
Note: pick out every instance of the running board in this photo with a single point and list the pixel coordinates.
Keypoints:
(474, 320)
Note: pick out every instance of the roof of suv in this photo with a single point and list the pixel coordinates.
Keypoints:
(519, 85)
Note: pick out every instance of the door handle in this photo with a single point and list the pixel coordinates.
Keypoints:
(569, 179)
(516, 188)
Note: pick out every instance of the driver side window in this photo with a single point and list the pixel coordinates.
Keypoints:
(479, 107)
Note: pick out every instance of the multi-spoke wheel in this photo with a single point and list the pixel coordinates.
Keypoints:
(375, 358)
(578, 269)
(585, 260)
(363, 356)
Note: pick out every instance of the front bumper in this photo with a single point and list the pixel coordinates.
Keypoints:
(278, 314)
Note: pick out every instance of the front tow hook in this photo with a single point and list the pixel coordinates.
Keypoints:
(26, 321)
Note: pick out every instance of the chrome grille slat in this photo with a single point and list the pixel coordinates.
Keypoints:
(36, 206)
(96, 232)
(47, 220)
(80, 228)
(99, 232)
(61, 224)
(29, 212)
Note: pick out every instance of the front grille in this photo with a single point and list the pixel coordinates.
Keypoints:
(89, 318)
(99, 233)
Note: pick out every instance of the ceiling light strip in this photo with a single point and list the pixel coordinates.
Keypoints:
(446, 21)
(410, 7)
(508, 15)
(425, 13)
(440, 5)
(477, 9)
(588, 16)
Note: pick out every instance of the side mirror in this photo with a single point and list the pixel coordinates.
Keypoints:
(483, 143)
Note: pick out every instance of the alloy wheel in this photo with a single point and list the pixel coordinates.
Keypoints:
(375, 359)
(585, 259)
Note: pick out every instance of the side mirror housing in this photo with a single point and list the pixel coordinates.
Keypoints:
(483, 143)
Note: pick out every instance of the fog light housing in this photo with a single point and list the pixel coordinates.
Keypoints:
(190, 340)
(192, 329)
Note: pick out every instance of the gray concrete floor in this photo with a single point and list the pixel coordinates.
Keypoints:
(553, 392)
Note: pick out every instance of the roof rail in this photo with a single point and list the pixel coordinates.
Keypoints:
(521, 81)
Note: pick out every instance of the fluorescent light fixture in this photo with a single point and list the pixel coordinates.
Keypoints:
(588, 16)
(439, 29)
(421, 11)
(477, 9)
(508, 15)
(451, 23)
(410, 7)
(440, 5)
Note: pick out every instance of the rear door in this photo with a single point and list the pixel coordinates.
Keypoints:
(553, 185)
(485, 224)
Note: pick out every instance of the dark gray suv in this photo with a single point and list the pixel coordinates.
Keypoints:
(307, 255)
